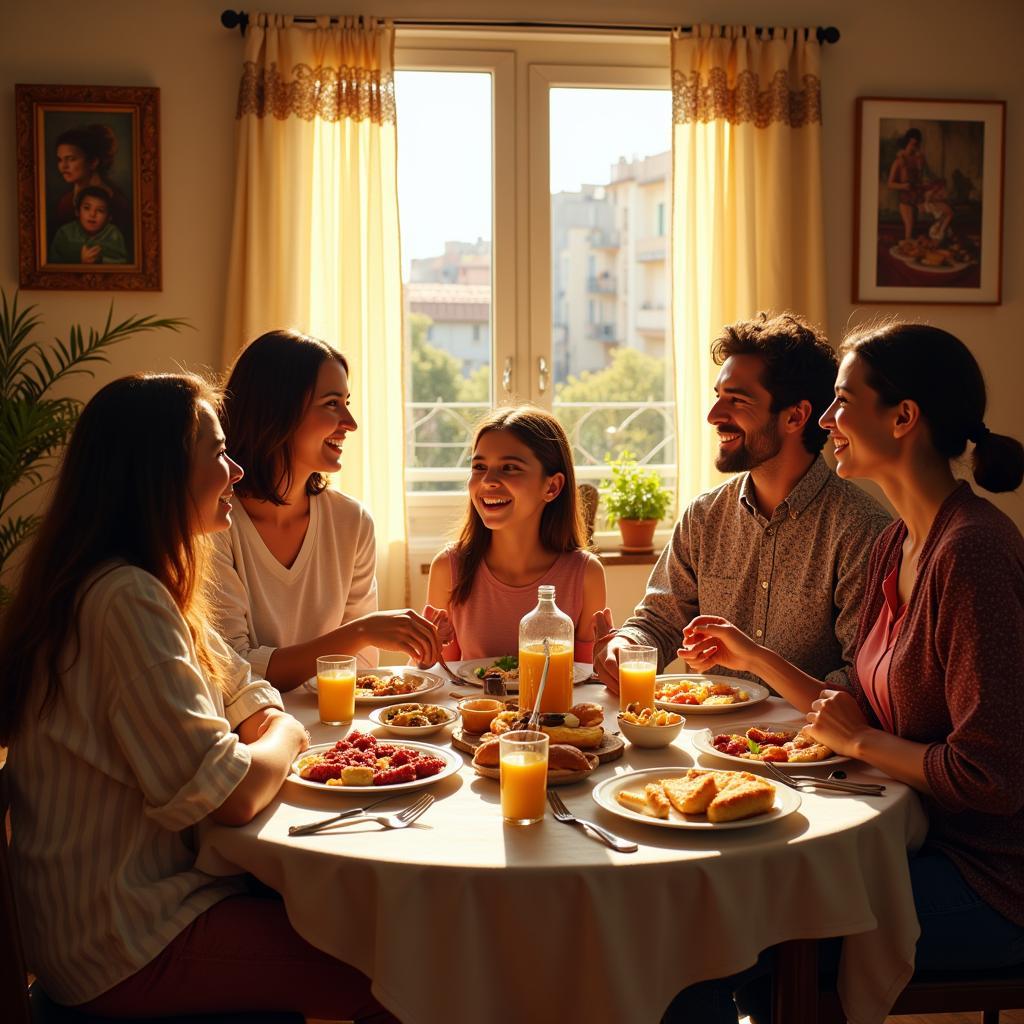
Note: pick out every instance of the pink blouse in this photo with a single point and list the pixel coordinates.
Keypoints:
(487, 625)
(875, 653)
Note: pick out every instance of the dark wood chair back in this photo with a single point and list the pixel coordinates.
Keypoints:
(588, 506)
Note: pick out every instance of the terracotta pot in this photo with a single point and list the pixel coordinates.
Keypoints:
(637, 535)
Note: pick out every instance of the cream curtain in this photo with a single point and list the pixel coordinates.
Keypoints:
(747, 230)
(315, 244)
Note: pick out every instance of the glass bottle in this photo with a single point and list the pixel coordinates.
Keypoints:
(546, 622)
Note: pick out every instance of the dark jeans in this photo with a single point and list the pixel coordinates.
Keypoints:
(959, 931)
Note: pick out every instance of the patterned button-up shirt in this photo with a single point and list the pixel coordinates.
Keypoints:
(794, 582)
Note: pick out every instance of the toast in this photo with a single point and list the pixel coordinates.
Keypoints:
(639, 803)
(741, 799)
(691, 796)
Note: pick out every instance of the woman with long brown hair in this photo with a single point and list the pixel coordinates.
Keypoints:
(129, 721)
(295, 572)
(522, 528)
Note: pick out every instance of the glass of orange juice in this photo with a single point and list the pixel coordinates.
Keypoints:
(638, 666)
(523, 760)
(336, 688)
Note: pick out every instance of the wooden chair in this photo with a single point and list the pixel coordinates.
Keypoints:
(588, 506)
(22, 1003)
(984, 992)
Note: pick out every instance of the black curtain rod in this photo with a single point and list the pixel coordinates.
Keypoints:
(240, 20)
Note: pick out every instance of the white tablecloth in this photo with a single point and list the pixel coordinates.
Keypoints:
(461, 919)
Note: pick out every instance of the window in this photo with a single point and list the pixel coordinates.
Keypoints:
(523, 162)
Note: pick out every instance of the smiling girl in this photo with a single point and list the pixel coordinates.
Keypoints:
(295, 574)
(522, 528)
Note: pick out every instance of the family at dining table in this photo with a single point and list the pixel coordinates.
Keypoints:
(175, 589)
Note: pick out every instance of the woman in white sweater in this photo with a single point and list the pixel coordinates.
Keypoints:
(295, 573)
(130, 721)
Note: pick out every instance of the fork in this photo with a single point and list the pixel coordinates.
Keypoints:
(399, 819)
(458, 680)
(562, 813)
(805, 782)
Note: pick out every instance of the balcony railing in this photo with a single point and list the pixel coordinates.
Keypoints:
(603, 284)
(439, 437)
(601, 332)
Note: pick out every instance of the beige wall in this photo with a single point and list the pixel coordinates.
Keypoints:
(915, 48)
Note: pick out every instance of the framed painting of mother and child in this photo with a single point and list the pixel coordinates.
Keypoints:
(88, 187)
(928, 221)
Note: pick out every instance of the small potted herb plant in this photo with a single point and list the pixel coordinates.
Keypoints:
(637, 500)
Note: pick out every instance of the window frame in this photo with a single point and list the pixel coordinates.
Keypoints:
(524, 67)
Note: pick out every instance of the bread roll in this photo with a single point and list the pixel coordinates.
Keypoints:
(588, 713)
(562, 757)
(488, 754)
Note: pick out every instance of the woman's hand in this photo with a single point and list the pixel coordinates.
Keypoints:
(710, 640)
(401, 630)
(836, 720)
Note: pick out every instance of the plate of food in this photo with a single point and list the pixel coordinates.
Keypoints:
(387, 685)
(413, 719)
(785, 744)
(695, 798)
(932, 257)
(361, 763)
(473, 671)
(706, 695)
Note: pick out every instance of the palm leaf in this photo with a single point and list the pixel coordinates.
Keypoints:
(15, 347)
(14, 532)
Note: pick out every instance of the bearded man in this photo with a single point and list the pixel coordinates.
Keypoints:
(781, 549)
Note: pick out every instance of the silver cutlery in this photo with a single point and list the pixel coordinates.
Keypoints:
(562, 813)
(397, 819)
(807, 782)
(448, 672)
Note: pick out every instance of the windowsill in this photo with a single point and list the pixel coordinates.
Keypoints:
(612, 557)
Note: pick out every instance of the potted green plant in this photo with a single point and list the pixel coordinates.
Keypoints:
(35, 424)
(637, 500)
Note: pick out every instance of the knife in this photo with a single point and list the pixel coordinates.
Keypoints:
(315, 826)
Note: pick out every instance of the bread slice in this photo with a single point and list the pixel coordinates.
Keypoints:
(741, 798)
(657, 802)
(638, 802)
(692, 795)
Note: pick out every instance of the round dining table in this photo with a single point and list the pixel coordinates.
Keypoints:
(461, 918)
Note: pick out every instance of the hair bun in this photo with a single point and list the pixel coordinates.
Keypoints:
(979, 433)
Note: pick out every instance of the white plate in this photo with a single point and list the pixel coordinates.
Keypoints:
(428, 682)
(376, 716)
(757, 693)
(702, 742)
(581, 671)
(452, 763)
(786, 802)
(917, 265)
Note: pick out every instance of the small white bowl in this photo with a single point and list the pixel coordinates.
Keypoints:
(379, 717)
(651, 735)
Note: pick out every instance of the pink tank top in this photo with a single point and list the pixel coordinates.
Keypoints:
(875, 653)
(487, 625)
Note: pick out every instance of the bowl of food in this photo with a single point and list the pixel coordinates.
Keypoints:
(647, 727)
(413, 720)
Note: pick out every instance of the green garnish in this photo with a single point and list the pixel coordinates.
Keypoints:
(755, 748)
(507, 664)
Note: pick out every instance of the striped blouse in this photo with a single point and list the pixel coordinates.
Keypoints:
(106, 787)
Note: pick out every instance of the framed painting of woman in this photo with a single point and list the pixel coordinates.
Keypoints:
(928, 223)
(88, 187)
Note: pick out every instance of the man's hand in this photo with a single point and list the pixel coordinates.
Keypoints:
(710, 640)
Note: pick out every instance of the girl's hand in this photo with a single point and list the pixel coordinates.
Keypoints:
(710, 640)
(439, 617)
(90, 254)
(602, 624)
(836, 720)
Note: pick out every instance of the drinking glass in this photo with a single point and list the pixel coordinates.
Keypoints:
(336, 688)
(638, 666)
(523, 758)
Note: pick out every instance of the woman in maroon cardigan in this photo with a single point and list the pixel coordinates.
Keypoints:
(937, 700)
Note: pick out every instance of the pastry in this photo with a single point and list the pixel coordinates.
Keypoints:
(637, 802)
(588, 713)
(487, 755)
(656, 800)
(691, 796)
(741, 799)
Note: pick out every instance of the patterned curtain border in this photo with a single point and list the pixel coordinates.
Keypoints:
(331, 94)
(746, 102)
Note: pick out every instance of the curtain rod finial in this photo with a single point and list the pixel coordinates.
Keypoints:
(828, 35)
(235, 19)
